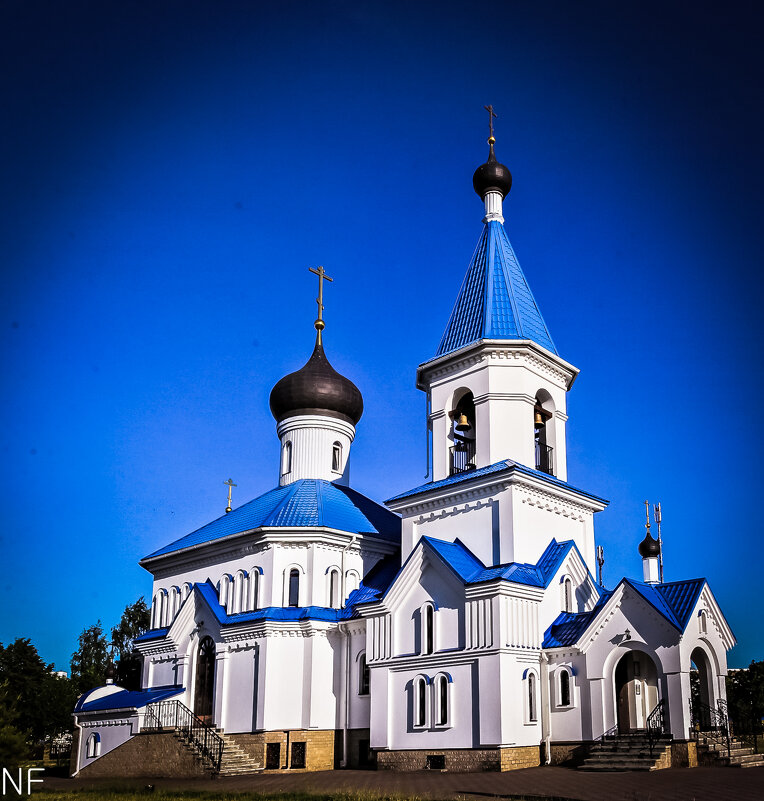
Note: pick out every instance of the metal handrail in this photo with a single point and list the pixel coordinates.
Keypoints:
(462, 456)
(713, 722)
(656, 724)
(544, 461)
(204, 740)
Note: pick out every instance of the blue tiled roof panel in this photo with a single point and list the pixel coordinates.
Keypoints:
(495, 300)
(305, 503)
(151, 634)
(125, 699)
(457, 556)
(682, 596)
(497, 467)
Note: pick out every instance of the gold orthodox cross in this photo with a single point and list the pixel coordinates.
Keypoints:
(321, 273)
(231, 485)
(491, 117)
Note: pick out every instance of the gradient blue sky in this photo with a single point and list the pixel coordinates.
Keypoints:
(171, 169)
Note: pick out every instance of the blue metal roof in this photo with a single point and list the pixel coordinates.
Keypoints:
(497, 467)
(495, 301)
(458, 557)
(674, 601)
(124, 699)
(306, 503)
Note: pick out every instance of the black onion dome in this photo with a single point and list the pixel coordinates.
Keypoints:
(649, 547)
(492, 175)
(317, 388)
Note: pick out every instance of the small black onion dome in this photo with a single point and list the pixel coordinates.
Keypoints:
(492, 175)
(111, 671)
(317, 388)
(649, 547)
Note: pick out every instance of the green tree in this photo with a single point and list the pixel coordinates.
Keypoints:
(90, 660)
(34, 701)
(135, 620)
(745, 695)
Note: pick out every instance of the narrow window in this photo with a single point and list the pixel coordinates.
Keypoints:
(254, 581)
(94, 745)
(337, 457)
(568, 589)
(427, 645)
(286, 458)
(363, 676)
(294, 587)
(442, 700)
(334, 589)
(298, 756)
(703, 622)
(420, 702)
(531, 698)
(564, 688)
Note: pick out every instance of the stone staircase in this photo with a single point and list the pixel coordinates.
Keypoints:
(627, 752)
(712, 750)
(236, 761)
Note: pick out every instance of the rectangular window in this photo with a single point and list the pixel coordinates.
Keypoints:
(298, 756)
(337, 457)
(272, 756)
(435, 762)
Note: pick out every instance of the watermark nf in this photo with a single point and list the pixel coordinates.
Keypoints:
(18, 787)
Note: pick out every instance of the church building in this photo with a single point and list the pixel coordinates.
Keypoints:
(458, 625)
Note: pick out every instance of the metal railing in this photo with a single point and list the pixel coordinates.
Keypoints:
(656, 724)
(711, 722)
(462, 456)
(544, 460)
(175, 716)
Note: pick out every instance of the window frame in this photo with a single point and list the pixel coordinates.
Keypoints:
(442, 686)
(337, 458)
(420, 697)
(364, 675)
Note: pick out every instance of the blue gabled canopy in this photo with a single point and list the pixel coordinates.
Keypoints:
(495, 301)
(306, 503)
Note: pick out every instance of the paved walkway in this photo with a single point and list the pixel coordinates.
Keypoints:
(674, 784)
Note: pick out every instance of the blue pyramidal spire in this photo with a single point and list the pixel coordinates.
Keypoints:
(495, 301)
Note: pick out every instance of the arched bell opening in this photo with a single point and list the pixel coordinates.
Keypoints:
(636, 691)
(463, 435)
(204, 685)
(544, 434)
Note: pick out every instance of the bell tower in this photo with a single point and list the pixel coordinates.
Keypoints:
(496, 387)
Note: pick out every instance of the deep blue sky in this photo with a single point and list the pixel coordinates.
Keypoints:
(170, 170)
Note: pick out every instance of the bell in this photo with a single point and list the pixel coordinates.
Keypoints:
(463, 424)
(538, 420)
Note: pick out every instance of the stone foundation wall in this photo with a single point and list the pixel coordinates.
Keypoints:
(358, 741)
(461, 760)
(154, 754)
(568, 754)
(684, 754)
(319, 748)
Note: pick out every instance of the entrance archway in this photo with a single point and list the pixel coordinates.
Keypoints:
(701, 687)
(205, 680)
(636, 690)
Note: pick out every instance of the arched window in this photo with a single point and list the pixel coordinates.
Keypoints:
(532, 710)
(94, 745)
(163, 608)
(363, 675)
(334, 588)
(463, 434)
(428, 628)
(286, 458)
(294, 587)
(442, 700)
(239, 592)
(567, 595)
(564, 688)
(420, 701)
(253, 601)
(337, 457)
(703, 621)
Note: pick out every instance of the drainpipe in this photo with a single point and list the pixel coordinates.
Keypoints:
(346, 695)
(79, 745)
(546, 711)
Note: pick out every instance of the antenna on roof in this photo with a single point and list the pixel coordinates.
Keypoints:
(657, 515)
(600, 562)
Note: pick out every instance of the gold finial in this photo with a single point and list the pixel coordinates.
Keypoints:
(647, 516)
(230, 487)
(321, 273)
(491, 116)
